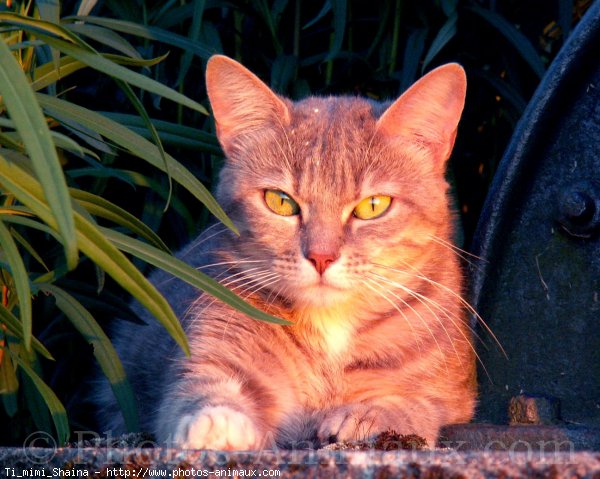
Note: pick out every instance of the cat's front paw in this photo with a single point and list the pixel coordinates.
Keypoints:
(217, 427)
(355, 422)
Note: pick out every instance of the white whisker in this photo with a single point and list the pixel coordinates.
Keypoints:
(423, 300)
(242, 275)
(461, 253)
(368, 284)
(465, 303)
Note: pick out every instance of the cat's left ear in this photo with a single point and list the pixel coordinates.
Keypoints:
(428, 112)
(240, 101)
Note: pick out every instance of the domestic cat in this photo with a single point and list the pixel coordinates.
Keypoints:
(345, 231)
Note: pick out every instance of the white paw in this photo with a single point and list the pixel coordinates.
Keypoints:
(216, 427)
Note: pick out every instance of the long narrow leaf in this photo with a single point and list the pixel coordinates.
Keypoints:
(325, 9)
(39, 26)
(96, 247)
(107, 67)
(193, 35)
(187, 273)
(339, 26)
(20, 279)
(164, 127)
(57, 410)
(9, 384)
(521, 43)
(445, 34)
(104, 352)
(31, 125)
(137, 145)
(48, 74)
(148, 32)
(139, 107)
(29, 248)
(106, 37)
(415, 44)
(13, 326)
(98, 206)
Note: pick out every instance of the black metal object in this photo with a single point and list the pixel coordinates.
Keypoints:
(538, 288)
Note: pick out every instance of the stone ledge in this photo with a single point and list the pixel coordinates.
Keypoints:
(70, 462)
(474, 451)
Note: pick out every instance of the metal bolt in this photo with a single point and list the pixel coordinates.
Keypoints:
(525, 409)
(578, 208)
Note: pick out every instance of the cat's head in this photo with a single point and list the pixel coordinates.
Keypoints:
(333, 194)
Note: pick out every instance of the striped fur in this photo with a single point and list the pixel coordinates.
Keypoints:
(380, 339)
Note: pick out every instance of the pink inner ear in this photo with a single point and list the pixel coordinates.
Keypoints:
(240, 101)
(429, 111)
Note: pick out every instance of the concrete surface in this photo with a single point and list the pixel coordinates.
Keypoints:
(464, 451)
(295, 464)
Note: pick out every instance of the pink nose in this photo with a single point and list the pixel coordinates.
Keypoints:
(321, 261)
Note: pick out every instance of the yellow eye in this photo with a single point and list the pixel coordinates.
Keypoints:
(372, 207)
(281, 203)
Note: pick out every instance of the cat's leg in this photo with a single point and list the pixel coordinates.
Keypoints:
(216, 427)
(213, 413)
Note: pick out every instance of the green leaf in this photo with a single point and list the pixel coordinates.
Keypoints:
(415, 44)
(137, 146)
(98, 206)
(139, 107)
(86, 6)
(283, 72)
(188, 274)
(449, 7)
(98, 62)
(146, 31)
(13, 325)
(442, 38)
(35, 403)
(9, 384)
(106, 37)
(134, 178)
(165, 128)
(96, 247)
(521, 43)
(29, 248)
(49, 10)
(324, 11)
(49, 73)
(263, 8)
(11, 215)
(66, 143)
(39, 26)
(104, 352)
(57, 410)
(193, 35)
(29, 120)
(340, 8)
(20, 279)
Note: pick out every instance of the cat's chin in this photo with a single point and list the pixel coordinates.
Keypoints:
(322, 295)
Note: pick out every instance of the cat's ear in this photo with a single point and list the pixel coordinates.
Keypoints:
(240, 101)
(429, 111)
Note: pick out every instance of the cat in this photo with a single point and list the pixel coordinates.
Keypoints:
(345, 231)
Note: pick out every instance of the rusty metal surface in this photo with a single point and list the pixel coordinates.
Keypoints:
(539, 287)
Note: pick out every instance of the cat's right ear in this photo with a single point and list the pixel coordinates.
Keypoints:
(427, 114)
(240, 101)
